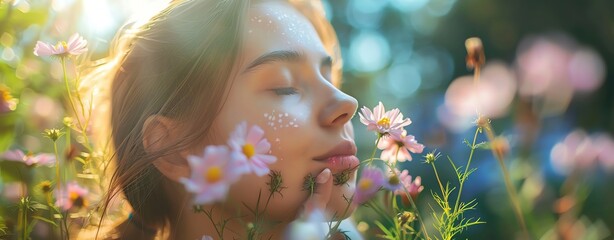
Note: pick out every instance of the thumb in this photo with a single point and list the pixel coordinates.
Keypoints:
(321, 195)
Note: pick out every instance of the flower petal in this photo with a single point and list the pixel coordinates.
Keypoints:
(254, 135)
(263, 146)
(43, 159)
(43, 49)
(268, 159)
(379, 111)
(14, 155)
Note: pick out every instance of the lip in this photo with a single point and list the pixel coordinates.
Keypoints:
(341, 157)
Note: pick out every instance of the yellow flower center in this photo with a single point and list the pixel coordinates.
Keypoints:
(73, 196)
(365, 184)
(249, 150)
(213, 174)
(393, 180)
(62, 44)
(384, 122)
(5, 95)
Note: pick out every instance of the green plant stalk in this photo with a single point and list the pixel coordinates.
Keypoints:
(86, 117)
(448, 219)
(83, 128)
(58, 185)
(23, 220)
(411, 200)
(72, 104)
(379, 136)
(334, 229)
(209, 215)
(437, 176)
(464, 177)
(58, 160)
(511, 190)
(418, 215)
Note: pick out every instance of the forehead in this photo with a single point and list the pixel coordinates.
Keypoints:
(273, 26)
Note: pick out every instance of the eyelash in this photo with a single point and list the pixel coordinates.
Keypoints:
(285, 91)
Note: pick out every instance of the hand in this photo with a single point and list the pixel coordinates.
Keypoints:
(319, 199)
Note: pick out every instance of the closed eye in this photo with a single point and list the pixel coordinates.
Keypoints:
(285, 91)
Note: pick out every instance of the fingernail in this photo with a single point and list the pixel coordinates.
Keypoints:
(323, 176)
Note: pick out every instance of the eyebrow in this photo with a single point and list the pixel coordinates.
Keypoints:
(283, 56)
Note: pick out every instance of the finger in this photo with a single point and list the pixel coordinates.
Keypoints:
(324, 186)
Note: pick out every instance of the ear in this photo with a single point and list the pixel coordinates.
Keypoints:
(158, 131)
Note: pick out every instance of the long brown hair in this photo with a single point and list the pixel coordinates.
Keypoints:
(179, 65)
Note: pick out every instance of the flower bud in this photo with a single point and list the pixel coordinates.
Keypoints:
(53, 134)
(475, 53)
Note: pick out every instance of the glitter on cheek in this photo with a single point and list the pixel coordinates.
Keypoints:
(280, 120)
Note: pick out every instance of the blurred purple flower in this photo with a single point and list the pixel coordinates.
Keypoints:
(582, 152)
(29, 159)
(490, 96)
(76, 45)
(554, 67)
(371, 180)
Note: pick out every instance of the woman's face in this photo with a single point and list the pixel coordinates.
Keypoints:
(284, 86)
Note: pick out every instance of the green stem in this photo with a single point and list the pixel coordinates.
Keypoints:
(210, 216)
(72, 104)
(514, 196)
(511, 190)
(438, 179)
(379, 136)
(411, 201)
(58, 186)
(418, 215)
(25, 223)
(58, 160)
(464, 177)
(334, 229)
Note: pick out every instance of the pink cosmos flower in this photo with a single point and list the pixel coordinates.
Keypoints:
(382, 122)
(76, 45)
(397, 147)
(72, 195)
(605, 146)
(575, 151)
(206, 237)
(251, 149)
(29, 159)
(413, 187)
(410, 188)
(371, 181)
(212, 174)
(13, 191)
(583, 152)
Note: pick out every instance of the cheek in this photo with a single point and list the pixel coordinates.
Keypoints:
(286, 130)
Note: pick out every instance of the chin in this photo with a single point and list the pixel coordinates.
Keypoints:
(338, 204)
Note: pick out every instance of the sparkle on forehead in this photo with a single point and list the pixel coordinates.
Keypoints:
(293, 29)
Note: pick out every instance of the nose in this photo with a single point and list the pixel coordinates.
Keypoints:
(338, 109)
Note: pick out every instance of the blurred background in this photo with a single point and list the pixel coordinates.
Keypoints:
(547, 87)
